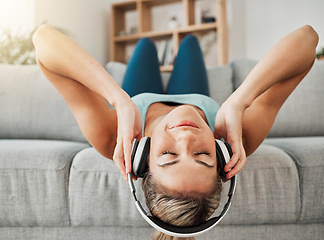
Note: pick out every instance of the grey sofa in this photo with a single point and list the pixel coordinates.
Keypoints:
(54, 185)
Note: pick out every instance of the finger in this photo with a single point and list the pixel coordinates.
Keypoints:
(238, 151)
(217, 136)
(139, 136)
(238, 167)
(119, 159)
(219, 133)
(134, 177)
(121, 169)
(127, 155)
(232, 162)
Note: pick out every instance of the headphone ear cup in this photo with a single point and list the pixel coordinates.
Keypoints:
(220, 161)
(223, 154)
(229, 149)
(140, 165)
(134, 147)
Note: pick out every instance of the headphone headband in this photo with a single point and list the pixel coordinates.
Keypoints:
(177, 231)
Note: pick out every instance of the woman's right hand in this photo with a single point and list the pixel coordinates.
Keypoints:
(228, 125)
(129, 127)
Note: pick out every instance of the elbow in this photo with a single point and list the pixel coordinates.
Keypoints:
(311, 35)
(39, 33)
(39, 40)
(309, 39)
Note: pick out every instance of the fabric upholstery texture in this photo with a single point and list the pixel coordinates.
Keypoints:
(307, 153)
(98, 194)
(267, 190)
(301, 114)
(54, 185)
(307, 231)
(34, 180)
(31, 108)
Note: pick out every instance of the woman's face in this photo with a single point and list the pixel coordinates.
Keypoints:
(183, 152)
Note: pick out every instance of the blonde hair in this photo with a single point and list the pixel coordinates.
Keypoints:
(177, 208)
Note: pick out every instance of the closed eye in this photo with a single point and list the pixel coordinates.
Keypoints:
(204, 164)
(196, 154)
(202, 153)
(176, 161)
(168, 163)
(168, 152)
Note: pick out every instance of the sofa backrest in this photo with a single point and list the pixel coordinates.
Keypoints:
(31, 108)
(303, 113)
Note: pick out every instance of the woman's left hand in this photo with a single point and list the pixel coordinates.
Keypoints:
(129, 127)
(228, 125)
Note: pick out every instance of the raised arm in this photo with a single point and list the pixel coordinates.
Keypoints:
(291, 56)
(86, 86)
(246, 117)
(62, 56)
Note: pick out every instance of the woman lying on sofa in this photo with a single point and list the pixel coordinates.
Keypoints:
(182, 185)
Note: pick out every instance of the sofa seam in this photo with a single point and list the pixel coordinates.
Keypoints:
(298, 166)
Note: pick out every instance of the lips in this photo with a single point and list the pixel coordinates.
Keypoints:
(185, 123)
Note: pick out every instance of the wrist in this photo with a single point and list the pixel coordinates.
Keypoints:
(238, 101)
(121, 100)
(118, 97)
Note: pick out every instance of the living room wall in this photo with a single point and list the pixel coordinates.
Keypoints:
(85, 21)
(254, 25)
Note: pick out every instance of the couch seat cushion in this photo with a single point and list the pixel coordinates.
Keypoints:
(267, 190)
(308, 155)
(98, 194)
(33, 182)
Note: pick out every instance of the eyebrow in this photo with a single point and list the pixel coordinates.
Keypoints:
(176, 161)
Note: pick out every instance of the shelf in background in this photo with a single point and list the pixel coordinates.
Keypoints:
(159, 2)
(131, 5)
(167, 33)
(144, 15)
(126, 6)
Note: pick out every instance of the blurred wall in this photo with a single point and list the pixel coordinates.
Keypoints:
(85, 21)
(254, 25)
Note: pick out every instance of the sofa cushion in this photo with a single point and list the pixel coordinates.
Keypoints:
(267, 190)
(98, 194)
(220, 82)
(117, 71)
(100, 197)
(308, 155)
(33, 182)
(31, 108)
(241, 68)
(301, 114)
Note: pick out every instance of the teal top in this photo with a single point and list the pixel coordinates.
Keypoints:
(205, 103)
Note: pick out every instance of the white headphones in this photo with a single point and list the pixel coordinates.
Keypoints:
(140, 151)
